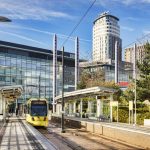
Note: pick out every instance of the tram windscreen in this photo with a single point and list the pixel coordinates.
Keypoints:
(38, 108)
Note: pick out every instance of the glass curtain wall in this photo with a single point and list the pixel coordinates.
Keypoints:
(32, 68)
(29, 72)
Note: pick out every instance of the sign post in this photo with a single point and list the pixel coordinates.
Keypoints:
(130, 109)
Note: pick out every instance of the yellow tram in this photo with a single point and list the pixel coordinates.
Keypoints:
(37, 112)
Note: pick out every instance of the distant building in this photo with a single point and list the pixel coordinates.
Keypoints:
(106, 32)
(125, 70)
(129, 53)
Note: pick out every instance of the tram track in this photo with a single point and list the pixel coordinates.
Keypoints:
(73, 139)
(62, 140)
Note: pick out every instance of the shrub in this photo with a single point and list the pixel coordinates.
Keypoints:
(122, 115)
(141, 117)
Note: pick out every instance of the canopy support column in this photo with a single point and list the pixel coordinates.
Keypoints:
(4, 108)
(81, 103)
(74, 107)
(111, 117)
(89, 107)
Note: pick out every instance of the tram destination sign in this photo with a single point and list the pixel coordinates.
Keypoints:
(38, 102)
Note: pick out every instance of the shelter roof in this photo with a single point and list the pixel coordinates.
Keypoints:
(11, 92)
(94, 91)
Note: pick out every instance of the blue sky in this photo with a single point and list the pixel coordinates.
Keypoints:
(35, 21)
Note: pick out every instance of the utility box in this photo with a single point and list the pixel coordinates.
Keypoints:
(147, 122)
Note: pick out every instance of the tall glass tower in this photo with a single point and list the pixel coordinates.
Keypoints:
(106, 32)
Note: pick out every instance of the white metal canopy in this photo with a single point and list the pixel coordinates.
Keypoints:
(94, 91)
(11, 92)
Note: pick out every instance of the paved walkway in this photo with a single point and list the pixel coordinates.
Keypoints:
(22, 136)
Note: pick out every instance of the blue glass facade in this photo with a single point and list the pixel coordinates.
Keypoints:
(33, 69)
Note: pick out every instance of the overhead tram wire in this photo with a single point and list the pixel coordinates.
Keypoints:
(137, 40)
(78, 23)
(63, 36)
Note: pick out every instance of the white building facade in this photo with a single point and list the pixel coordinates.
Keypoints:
(106, 32)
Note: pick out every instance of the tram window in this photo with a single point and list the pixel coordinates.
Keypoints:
(39, 110)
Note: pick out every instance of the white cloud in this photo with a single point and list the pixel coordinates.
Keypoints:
(132, 19)
(62, 36)
(146, 32)
(127, 28)
(35, 9)
(126, 2)
(146, 1)
(23, 37)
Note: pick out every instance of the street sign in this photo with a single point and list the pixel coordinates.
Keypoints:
(130, 105)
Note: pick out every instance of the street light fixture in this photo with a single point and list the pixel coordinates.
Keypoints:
(4, 19)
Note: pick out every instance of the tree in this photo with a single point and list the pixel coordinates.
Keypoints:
(143, 83)
(96, 78)
(91, 79)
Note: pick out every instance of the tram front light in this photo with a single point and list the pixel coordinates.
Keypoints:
(44, 118)
(33, 119)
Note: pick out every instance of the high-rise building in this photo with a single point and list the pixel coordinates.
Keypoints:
(129, 53)
(106, 32)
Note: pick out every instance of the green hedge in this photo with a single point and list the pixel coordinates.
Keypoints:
(141, 117)
(123, 115)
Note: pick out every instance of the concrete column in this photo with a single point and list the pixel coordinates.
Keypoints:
(70, 108)
(99, 107)
(92, 106)
(81, 103)
(4, 108)
(1, 105)
(111, 117)
(89, 107)
(58, 109)
(66, 107)
(74, 107)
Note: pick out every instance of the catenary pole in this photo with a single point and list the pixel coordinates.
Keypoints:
(116, 62)
(135, 83)
(76, 62)
(54, 70)
(62, 101)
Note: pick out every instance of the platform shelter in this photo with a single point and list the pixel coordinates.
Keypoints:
(91, 102)
(8, 95)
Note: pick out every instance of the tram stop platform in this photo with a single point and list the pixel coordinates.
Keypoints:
(17, 134)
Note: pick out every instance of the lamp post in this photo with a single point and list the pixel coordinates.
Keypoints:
(4, 19)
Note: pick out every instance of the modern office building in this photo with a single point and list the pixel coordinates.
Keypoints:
(124, 70)
(129, 53)
(32, 68)
(106, 32)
